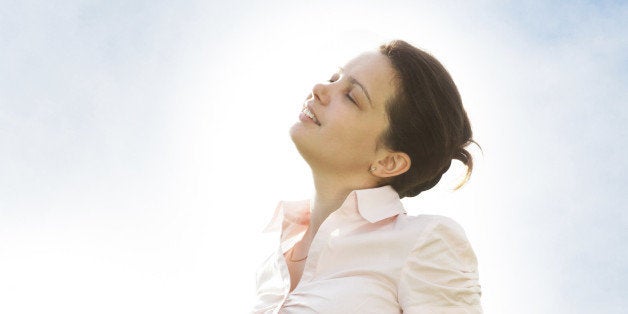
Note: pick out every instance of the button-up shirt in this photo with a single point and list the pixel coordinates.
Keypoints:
(369, 256)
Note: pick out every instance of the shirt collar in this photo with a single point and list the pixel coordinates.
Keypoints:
(379, 203)
(373, 205)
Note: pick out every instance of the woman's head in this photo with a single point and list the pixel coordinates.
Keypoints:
(350, 112)
(393, 116)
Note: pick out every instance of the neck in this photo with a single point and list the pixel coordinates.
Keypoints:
(331, 192)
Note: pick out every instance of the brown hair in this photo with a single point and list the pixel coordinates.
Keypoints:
(426, 119)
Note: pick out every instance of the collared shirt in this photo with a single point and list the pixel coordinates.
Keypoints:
(369, 256)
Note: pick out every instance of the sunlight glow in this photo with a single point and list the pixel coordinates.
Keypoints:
(145, 146)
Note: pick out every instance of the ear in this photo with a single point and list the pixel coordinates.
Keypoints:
(391, 164)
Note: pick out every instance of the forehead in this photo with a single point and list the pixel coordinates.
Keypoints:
(376, 73)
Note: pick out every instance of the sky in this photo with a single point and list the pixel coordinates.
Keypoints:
(144, 145)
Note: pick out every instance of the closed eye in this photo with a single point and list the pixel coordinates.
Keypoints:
(335, 78)
(352, 100)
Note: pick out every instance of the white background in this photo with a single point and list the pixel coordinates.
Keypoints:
(144, 145)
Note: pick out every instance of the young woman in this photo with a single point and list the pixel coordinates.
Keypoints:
(386, 126)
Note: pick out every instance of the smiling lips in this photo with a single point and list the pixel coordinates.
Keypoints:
(309, 114)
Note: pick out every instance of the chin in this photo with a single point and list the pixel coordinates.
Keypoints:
(294, 134)
(298, 138)
(299, 134)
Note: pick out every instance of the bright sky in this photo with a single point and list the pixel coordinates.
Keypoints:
(144, 145)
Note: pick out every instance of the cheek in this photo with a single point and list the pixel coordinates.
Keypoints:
(347, 128)
(358, 137)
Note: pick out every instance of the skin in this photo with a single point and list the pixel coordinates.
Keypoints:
(343, 149)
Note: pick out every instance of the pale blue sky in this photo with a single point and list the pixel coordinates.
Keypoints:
(127, 129)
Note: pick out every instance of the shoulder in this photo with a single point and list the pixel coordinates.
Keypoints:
(439, 235)
(441, 268)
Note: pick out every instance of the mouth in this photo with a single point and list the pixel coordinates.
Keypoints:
(310, 114)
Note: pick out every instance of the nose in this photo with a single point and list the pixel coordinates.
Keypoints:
(320, 92)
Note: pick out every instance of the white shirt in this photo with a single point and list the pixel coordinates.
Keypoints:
(368, 256)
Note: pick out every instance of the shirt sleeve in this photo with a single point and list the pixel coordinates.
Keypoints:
(440, 274)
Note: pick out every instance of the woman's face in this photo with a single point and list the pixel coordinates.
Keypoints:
(349, 116)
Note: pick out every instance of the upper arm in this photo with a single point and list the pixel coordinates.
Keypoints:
(440, 274)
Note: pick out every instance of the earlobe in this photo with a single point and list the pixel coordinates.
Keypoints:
(394, 164)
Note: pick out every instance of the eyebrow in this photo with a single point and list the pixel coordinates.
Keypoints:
(356, 82)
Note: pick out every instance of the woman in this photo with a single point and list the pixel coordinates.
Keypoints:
(386, 126)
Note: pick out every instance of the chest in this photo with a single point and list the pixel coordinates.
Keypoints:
(349, 274)
(342, 270)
